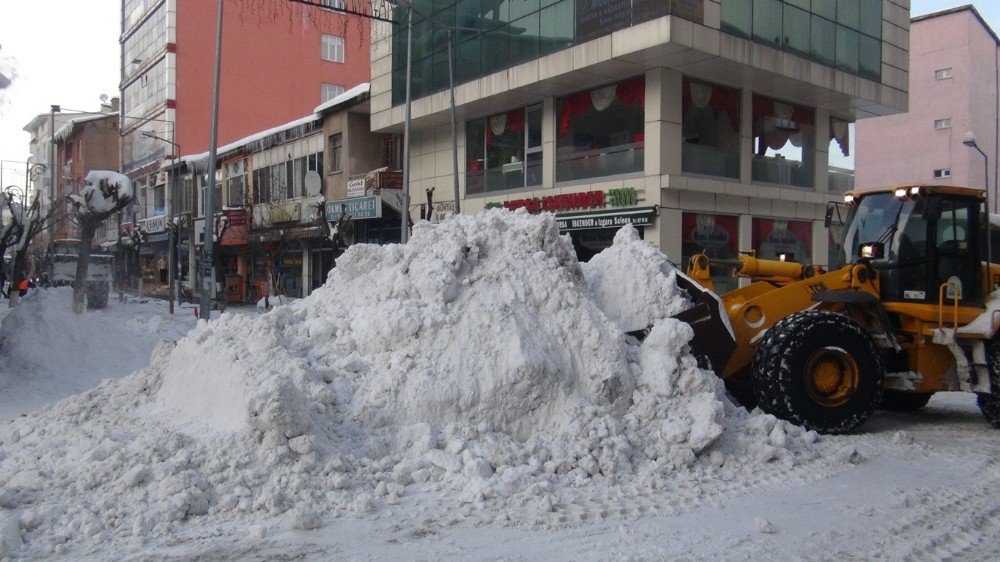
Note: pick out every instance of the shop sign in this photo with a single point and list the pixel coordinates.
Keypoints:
(356, 187)
(623, 197)
(441, 210)
(235, 217)
(154, 224)
(358, 208)
(285, 212)
(235, 232)
(643, 216)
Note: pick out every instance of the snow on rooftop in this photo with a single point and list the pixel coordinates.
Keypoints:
(349, 95)
(66, 129)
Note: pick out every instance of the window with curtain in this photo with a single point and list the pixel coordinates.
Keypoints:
(711, 129)
(841, 156)
(504, 151)
(601, 132)
(784, 142)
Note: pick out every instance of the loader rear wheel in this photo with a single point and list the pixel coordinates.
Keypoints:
(819, 369)
(905, 401)
(989, 404)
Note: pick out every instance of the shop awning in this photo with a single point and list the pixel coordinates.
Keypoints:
(294, 233)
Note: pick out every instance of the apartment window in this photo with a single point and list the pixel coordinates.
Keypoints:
(392, 152)
(601, 132)
(336, 151)
(330, 91)
(333, 48)
(711, 130)
(338, 4)
(942, 173)
(942, 124)
(942, 74)
(235, 182)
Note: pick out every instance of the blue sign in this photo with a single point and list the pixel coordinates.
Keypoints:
(357, 208)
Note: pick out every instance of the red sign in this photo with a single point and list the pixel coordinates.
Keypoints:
(556, 203)
(235, 217)
(235, 233)
(774, 237)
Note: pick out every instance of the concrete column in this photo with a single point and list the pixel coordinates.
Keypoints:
(663, 122)
(820, 243)
(745, 243)
(821, 174)
(306, 271)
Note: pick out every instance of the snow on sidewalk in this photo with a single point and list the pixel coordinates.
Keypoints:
(48, 353)
(477, 373)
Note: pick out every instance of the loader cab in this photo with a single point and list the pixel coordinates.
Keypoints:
(919, 239)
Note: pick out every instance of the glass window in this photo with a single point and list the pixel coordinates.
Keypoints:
(824, 41)
(767, 22)
(336, 148)
(556, 27)
(796, 31)
(871, 19)
(941, 173)
(333, 48)
(773, 239)
(847, 49)
(825, 8)
(330, 91)
(942, 123)
(524, 37)
(943, 73)
(737, 17)
(711, 130)
(718, 237)
(869, 58)
(784, 142)
(504, 151)
(601, 132)
(841, 156)
(849, 12)
(804, 4)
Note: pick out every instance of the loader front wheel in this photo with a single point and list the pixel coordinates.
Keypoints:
(819, 369)
(989, 404)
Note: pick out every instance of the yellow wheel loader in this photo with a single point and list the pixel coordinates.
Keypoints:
(911, 313)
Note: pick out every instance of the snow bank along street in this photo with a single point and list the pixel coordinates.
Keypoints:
(476, 375)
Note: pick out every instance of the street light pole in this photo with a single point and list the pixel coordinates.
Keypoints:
(971, 142)
(404, 234)
(454, 126)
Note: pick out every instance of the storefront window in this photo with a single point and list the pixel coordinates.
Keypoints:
(715, 235)
(711, 129)
(601, 132)
(841, 154)
(504, 151)
(784, 142)
(774, 238)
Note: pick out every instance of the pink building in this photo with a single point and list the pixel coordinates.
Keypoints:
(953, 90)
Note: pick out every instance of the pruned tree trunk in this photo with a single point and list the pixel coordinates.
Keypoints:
(17, 275)
(88, 227)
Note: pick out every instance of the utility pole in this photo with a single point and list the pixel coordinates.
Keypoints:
(209, 230)
(404, 233)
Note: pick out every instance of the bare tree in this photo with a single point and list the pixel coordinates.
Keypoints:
(105, 194)
(31, 224)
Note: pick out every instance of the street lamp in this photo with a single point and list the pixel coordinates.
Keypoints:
(175, 150)
(971, 142)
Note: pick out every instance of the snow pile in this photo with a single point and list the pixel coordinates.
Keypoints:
(476, 359)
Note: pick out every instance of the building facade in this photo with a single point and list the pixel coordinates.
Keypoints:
(83, 144)
(279, 60)
(715, 125)
(953, 91)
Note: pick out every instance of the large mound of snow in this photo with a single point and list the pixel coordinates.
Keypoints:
(479, 360)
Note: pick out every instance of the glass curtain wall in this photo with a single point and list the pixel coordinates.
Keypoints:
(846, 34)
(487, 35)
(601, 132)
(711, 130)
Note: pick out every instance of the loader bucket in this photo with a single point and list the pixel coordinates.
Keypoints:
(713, 335)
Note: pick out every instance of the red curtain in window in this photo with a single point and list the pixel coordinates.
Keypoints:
(629, 92)
(764, 110)
(841, 132)
(722, 99)
(514, 124)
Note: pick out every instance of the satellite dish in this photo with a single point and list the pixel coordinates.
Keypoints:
(104, 98)
(314, 184)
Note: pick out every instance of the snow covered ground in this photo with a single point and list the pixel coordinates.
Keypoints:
(468, 396)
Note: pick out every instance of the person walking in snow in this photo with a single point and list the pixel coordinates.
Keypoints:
(22, 287)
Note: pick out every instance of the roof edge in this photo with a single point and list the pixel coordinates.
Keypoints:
(955, 10)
